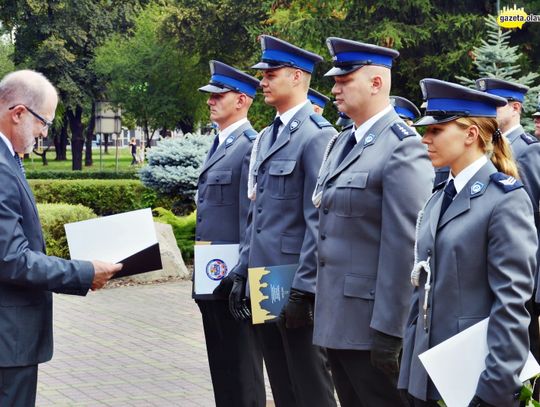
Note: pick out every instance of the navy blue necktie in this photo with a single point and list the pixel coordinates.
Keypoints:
(214, 147)
(275, 128)
(449, 194)
(349, 145)
(19, 163)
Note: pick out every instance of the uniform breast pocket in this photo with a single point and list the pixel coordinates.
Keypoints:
(282, 183)
(219, 190)
(349, 190)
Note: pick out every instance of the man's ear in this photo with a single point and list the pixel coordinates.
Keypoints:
(16, 113)
(376, 83)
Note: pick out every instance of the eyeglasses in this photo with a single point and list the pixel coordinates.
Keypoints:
(46, 123)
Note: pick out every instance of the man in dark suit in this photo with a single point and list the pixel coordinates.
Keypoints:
(27, 275)
(222, 206)
(283, 171)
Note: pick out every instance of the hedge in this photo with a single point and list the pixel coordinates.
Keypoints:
(183, 229)
(81, 175)
(53, 217)
(104, 197)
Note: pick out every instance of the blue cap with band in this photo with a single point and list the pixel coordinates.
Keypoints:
(278, 54)
(509, 90)
(446, 101)
(404, 108)
(225, 78)
(317, 98)
(348, 55)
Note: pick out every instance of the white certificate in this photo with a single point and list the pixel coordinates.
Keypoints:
(212, 263)
(456, 364)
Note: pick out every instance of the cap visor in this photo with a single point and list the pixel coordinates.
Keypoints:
(427, 120)
(536, 114)
(213, 89)
(339, 71)
(266, 66)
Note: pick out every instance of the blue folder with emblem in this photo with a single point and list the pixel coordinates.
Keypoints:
(269, 288)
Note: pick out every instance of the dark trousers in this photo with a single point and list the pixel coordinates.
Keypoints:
(234, 356)
(414, 402)
(360, 384)
(18, 386)
(296, 368)
(534, 339)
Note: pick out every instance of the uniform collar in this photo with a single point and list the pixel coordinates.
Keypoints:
(360, 132)
(510, 130)
(227, 131)
(289, 114)
(8, 143)
(467, 173)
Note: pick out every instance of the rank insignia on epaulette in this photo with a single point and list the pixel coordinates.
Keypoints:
(402, 131)
(294, 124)
(529, 139)
(476, 187)
(506, 182)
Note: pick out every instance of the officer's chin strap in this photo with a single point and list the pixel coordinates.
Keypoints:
(252, 184)
(419, 266)
(316, 197)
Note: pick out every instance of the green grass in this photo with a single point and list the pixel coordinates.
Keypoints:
(34, 163)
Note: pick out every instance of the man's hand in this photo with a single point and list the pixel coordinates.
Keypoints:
(298, 312)
(237, 299)
(385, 354)
(103, 272)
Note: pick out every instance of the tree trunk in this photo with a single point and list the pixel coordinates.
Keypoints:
(105, 142)
(89, 137)
(77, 137)
(60, 141)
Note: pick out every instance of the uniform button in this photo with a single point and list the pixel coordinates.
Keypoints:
(325, 211)
(199, 218)
(203, 181)
(198, 238)
(261, 189)
(321, 263)
(323, 237)
(201, 200)
(258, 230)
(372, 292)
(259, 209)
(429, 252)
(280, 170)
(217, 180)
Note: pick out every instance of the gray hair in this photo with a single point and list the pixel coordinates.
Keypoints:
(25, 87)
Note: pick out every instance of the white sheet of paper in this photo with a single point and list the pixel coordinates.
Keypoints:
(111, 238)
(212, 263)
(456, 364)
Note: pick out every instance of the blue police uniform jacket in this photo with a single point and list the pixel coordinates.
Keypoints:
(482, 258)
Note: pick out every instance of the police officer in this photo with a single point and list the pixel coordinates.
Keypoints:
(372, 184)
(476, 247)
(405, 109)
(283, 172)
(526, 152)
(235, 359)
(318, 100)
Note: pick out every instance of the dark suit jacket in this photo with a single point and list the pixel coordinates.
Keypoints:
(27, 274)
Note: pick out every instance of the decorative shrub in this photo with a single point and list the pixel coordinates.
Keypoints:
(81, 175)
(53, 217)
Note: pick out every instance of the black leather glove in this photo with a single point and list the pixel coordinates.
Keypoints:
(225, 286)
(298, 312)
(237, 299)
(478, 402)
(385, 354)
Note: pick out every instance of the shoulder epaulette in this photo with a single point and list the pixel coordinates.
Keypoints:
(506, 182)
(527, 138)
(320, 121)
(250, 134)
(402, 130)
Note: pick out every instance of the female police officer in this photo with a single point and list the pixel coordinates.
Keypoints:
(476, 246)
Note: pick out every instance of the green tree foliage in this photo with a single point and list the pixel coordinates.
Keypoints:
(150, 77)
(497, 58)
(174, 166)
(6, 54)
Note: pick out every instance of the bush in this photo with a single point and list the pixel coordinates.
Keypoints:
(104, 197)
(173, 167)
(53, 217)
(81, 175)
(183, 228)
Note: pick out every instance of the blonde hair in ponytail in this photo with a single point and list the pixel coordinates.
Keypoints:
(496, 147)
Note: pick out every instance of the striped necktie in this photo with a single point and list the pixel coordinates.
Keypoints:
(19, 163)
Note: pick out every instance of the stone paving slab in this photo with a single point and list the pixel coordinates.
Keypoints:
(128, 346)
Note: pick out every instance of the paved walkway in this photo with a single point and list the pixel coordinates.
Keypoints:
(128, 346)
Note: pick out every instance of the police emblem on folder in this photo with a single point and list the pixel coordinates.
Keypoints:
(212, 263)
(270, 288)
